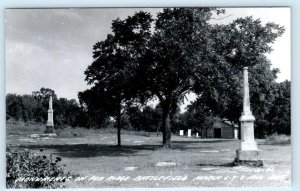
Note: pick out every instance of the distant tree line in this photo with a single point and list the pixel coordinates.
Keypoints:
(34, 108)
(273, 118)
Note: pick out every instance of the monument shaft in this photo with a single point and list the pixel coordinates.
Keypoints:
(248, 152)
(50, 123)
(246, 99)
(247, 119)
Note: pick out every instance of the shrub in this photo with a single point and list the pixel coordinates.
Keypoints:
(24, 169)
(278, 139)
(70, 132)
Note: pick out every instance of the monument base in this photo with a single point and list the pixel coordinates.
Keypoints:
(49, 129)
(249, 158)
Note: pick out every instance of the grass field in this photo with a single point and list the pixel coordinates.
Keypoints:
(191, 162)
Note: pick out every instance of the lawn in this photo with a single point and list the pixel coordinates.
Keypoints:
(141, 162)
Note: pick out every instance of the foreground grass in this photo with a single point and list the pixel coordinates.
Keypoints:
(92, 153)
(96, 155)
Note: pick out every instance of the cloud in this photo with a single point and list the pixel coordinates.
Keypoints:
(51, 48)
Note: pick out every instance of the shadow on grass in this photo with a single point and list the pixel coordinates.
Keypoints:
(97, 150)
(277, 144)
(207, 145)
(213, 141)
(217, 165)
(94, 150)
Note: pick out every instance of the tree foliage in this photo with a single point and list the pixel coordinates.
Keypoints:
(184, 52)
(279, 117)
(147, 119)
(35, 107)
(114, 70)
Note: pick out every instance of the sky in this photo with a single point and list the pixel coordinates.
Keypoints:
(53, 47)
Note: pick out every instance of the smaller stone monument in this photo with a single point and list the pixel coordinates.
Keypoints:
(197, 135)
(236, 133)
(50, 123)
(189, 133)
(248, 154)
(181, 132)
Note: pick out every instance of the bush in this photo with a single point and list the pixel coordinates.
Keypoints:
(278, 139)
(24, 169)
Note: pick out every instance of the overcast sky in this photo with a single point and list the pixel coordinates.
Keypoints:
(52, 47)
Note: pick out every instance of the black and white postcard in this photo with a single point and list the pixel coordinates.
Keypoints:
(148, 97)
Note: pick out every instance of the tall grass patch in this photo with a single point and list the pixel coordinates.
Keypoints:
(14, 127)
(278, 139)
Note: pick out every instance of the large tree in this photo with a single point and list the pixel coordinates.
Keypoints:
(188, 53)
(184, 52)
(114, 71)
(244, 42)
(169, 68)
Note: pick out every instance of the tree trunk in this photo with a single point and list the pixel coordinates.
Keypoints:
(119, 127)
(166, 127)
(239, 130)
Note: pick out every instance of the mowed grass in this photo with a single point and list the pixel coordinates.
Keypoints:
(14, 127)
(96, 154)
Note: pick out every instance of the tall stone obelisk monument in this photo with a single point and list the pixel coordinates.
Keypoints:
(50, 124)
(248, 154)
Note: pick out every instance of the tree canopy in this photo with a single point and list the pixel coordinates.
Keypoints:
(183, 52)
(114, 70)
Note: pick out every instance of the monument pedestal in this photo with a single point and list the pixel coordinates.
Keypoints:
(49, 129)
(248, 154)
(249, 158)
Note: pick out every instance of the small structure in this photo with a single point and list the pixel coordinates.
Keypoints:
(50, 123)
(248, 154)
(189, 134)
(181, 132)
(221, 129)
(236, 133)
